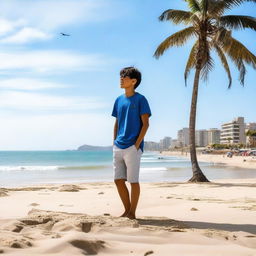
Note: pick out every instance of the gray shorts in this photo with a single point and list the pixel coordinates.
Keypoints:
(126, 163)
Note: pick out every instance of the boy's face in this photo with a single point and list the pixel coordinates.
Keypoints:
(127, 82)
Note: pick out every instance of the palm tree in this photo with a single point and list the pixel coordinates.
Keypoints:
(213, 31)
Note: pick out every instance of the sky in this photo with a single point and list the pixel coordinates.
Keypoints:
(57, 92)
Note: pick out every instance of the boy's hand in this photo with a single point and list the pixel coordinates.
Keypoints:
(137, 146)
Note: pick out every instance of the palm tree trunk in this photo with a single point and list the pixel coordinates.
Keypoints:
(198, 175)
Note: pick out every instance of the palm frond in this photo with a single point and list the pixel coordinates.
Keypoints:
(220, 6)
(177, 16)
(207, 64)
(224, 63)
(204, 6)
(242, 70)
(238, 53)
(191, 63)
(177, 39)
(222, 35)
(216, 8)
(237, 50)
(238, 22)
(193, 5)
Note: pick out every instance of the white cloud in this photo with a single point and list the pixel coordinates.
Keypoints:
(51, 14)
(39, 19)
(49, 61)
(7, 26)
(54, 132)
(26, 35)
(28, 84)
(13, 100)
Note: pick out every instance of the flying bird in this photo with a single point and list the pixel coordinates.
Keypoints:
(64, 34)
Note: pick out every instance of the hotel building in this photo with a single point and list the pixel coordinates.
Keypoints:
(233, 132)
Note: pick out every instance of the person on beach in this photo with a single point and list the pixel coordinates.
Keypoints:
(132, 113)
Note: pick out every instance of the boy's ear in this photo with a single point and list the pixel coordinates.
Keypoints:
(134, 80)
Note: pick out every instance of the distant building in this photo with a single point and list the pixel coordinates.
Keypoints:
(175, 144)
(201, 138)
(183, 137)
(213, 136)
(250, 140)
(251, 126)
(165, 143)
(233, 132)
(151, 146)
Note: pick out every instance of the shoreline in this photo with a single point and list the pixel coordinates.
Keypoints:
(247, 162)
(185, 218)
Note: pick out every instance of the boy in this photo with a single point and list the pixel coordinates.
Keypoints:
(132, 113)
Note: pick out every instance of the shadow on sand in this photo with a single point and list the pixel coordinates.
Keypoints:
(169, 223)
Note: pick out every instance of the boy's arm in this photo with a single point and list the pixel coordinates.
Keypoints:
(115, 130)
(144, 128)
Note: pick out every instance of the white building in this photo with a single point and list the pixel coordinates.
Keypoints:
(233, 132)
(165, 143)
(175, 144)
(151, 146)
(213, 136)
(201, 138)
(251, 126)
(183, 137)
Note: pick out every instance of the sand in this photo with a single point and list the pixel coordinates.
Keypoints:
(211, 219)
(236, 161)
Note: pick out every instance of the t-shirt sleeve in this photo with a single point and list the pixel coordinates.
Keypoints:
(144, 107)
(114, 111)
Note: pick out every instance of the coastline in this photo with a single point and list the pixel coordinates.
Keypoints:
(247, 162)
(181, 217)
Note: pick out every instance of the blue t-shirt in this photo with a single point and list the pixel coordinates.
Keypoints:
(128, 111)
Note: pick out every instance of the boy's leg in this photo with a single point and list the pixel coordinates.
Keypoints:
(132, 158)
(120, 176)
(135, 194)
(124, 195)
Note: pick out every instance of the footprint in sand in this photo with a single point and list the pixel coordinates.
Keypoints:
(148, 253)
(34, 204)
(89, 247)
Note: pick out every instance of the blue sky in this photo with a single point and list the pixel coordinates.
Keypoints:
(57, 92)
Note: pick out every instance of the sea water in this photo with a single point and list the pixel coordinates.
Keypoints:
(18, 168)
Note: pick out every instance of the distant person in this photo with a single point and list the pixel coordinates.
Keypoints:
(132, 113)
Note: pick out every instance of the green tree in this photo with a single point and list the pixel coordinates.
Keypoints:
(212, 29)
(252, 137)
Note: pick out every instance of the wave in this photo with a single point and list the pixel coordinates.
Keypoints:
(91, 167)
(28, 168)
(50, 168)
(164, 161)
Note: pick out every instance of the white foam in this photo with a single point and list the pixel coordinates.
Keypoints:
(163, 160)
(28, 168)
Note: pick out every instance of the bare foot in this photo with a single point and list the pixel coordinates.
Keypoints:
(124, 214)
(131, 216)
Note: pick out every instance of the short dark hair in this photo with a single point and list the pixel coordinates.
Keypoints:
(133, 73)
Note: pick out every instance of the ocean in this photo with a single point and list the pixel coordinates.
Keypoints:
(22, 168)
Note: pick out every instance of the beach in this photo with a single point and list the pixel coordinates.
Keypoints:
(173, 218)
(248, 162)
(65, 203)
